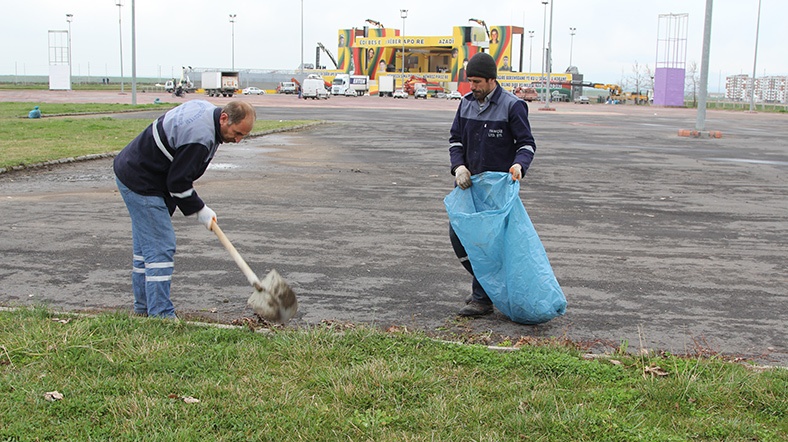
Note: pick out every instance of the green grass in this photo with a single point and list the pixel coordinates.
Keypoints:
(78, 130)
(124, 378)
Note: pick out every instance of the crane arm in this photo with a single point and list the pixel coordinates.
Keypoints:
(481, 22)
(320, 45)
(613, 89)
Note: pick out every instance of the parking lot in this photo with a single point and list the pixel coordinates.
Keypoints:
(659, 241)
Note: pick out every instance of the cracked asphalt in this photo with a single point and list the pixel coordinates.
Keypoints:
(660, 242)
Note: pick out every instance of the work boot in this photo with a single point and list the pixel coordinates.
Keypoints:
(476, 308)
(468, 299)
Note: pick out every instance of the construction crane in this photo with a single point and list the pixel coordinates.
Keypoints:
(613, 90)
(481, 22)
(317, 56)
(373, 22)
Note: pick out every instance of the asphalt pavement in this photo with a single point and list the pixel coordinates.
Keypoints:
(659, 242)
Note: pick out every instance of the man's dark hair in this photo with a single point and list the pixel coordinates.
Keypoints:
(238, 111)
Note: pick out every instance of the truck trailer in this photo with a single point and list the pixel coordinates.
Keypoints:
(217, 83)
(358, 84)
(385, 85)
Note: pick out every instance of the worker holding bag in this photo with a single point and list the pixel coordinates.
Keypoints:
(491, 133)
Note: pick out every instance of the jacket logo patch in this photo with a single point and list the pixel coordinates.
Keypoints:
(495, 133)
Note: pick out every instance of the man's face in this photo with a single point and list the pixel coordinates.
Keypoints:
(234, 133)
(481, 87)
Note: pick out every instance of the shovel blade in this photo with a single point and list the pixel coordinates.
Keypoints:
(274, 301)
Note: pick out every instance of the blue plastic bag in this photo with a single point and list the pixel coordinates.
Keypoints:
(505, 252)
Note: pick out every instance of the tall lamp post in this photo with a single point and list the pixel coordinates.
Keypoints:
(544, 52)
(571, 43)
(404, 14)
(232, 25)
(549, 61)
(531, 53)
(755, 59)
(302, 39)
(69, 18)
(119, 4)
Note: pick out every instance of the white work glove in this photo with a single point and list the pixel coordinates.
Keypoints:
(463, 177)
(205, 216)
(517, 172)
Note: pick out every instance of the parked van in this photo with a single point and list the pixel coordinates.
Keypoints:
(314, 87)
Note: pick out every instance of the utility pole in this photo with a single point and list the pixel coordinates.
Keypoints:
(544, 52)
(119, 4)
(232, 37)
(571, 43)
(700, 122)
(549, 58)
(404, 14)
(755, 60)
(69, 18)
(531, 53)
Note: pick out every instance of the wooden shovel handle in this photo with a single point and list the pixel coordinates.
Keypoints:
(253, 280)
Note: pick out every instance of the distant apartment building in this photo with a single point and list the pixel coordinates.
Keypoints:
(767, 89)
(771, 89)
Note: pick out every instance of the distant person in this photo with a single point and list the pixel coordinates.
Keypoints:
(490, 132)
(155, 173)
(35, 113)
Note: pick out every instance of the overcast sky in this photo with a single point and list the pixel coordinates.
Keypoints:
(611, 35)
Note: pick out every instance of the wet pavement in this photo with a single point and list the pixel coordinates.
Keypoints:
(659, 241)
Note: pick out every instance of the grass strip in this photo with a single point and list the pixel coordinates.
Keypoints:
(83, 131)
(129, 378)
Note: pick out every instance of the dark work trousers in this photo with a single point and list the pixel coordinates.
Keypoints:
(478, 294)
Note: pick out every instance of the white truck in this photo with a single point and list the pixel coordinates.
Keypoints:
(287, 87)
(314, 87)
(345, 82)
(223, 83)
(386, 86)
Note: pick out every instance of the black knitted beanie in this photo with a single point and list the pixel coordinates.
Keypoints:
(482, 65)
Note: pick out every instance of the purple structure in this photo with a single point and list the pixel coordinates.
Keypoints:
(671, 60)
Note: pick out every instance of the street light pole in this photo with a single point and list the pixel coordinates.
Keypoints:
(232, 25)
(549, 62)
(571, 43)
(301, 71)
(404, 14)
(119, 4)
(755, 59)
(69, 17)
(544, 54)
(531, 53)
(133, 52)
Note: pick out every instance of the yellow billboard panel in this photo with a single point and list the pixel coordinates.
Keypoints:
(410, 41)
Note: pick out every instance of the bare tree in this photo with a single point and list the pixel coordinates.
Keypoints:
(649, 78)
(691, 81)
(624, 82)
(642, 79)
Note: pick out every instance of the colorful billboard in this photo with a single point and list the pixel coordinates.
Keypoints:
(373, 51)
